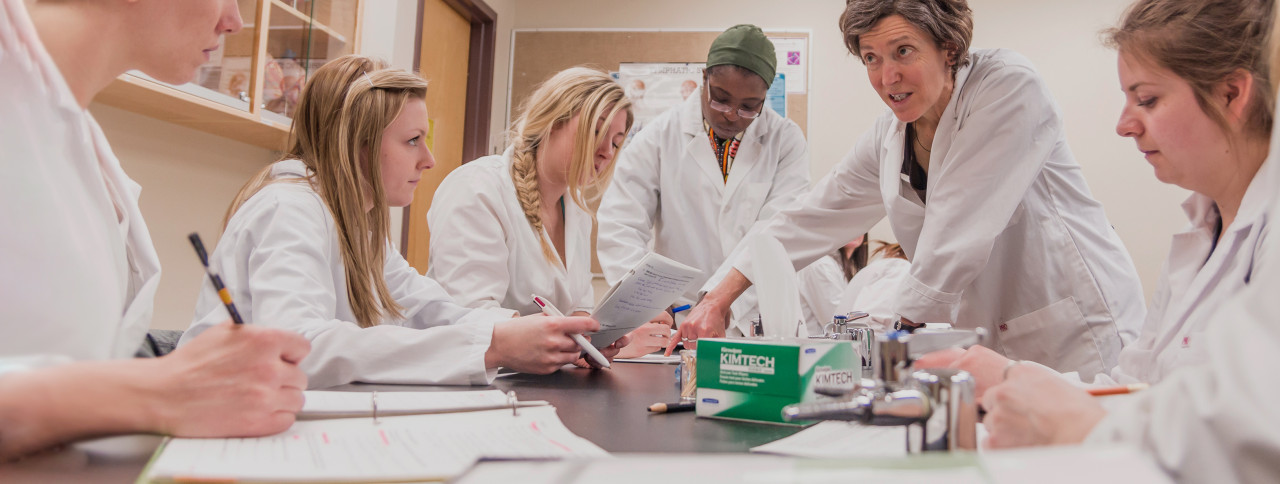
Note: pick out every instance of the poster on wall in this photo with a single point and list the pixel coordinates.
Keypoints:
(656, 87)
(777, 95)
(793, 60)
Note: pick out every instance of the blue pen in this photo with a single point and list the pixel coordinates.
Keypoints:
(679, 309)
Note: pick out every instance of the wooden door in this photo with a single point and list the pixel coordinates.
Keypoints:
(446, 40)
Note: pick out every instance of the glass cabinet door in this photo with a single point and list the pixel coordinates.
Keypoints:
(303, 35)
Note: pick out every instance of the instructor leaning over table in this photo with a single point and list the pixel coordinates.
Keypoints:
(971, 166)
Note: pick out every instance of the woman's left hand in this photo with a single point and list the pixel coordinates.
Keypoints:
(1036, 406)
(609, 352)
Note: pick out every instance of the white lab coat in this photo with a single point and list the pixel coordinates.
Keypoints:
(1217, 420)
(1009, 240)
(820, 285)
(668, 191)
(281, 260)
(485, 253)
(79, 270)
(872, 289)
(1197, 281)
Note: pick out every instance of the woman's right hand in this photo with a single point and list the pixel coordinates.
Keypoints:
(708, 319)
(230, 381)
(537, 344)
(984, 365)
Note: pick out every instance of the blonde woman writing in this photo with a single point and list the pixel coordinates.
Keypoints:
(504, 227)
(306, 248)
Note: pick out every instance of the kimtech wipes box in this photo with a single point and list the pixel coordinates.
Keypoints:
(752, 379)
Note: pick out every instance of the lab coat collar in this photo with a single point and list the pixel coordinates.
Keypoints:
(1257, 196)
(1203, 214)
(289, 168)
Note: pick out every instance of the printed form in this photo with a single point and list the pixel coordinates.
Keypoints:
(416, 447)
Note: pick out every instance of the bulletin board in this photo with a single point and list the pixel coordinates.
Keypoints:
(538, 54)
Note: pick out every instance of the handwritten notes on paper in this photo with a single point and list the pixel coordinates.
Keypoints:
(650, 287)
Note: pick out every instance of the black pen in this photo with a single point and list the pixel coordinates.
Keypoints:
(671, 407)
(217, 281)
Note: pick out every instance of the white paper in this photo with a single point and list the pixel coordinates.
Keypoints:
(721, 469)
(415, 447)
(793, 60)
(647, 290)
(847, 440)
(840, 440)
(324, 404)
(651, 358)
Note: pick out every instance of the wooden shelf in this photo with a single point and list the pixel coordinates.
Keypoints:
(291, 27)
(270, 30)
(159, 101)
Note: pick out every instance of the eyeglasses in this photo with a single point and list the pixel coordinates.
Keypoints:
(725, 108)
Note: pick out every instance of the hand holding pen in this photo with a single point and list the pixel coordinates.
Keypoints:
(550, 310)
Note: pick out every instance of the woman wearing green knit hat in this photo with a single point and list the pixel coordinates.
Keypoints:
(971, 166)
(695, 179)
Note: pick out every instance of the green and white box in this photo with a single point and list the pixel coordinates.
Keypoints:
(752, 379)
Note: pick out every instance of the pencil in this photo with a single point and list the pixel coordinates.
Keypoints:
(1118, 390)
(671, 407)
(223, 293)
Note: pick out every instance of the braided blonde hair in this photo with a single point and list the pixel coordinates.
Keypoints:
(576, 90)
(341, 117)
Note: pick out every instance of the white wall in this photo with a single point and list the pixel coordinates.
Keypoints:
(1061, 38)
(188, 177)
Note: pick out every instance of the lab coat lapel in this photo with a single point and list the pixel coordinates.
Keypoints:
(577, 237)
(750, 152)
(948, 125)
(697, 148)
(1236, 247)
(143, 266)
(906, 215)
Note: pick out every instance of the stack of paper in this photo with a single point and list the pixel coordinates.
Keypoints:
(416, 447)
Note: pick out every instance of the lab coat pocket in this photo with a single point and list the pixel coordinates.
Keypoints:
(1056, 336)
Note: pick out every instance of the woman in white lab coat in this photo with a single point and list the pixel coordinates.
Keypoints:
(1199, 106)
(1223, 98)
(306, 248)
(78, 268)
(972, 168)
(506, 227)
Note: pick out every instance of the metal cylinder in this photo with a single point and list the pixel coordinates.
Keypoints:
(863, 338)
(953, 423)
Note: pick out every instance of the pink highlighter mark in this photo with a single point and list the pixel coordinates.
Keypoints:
(566, 448)
(325, 436)
(383, 433)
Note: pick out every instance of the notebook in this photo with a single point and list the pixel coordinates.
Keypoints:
(648, 289)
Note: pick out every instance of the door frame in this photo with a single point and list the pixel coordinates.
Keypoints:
(482, 49)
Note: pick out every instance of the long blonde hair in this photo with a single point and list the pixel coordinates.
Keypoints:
(337, 134)
(594, 95)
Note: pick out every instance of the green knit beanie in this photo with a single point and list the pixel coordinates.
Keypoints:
(746, 46)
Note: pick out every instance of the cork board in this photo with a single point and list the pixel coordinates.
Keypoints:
(538, 54)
